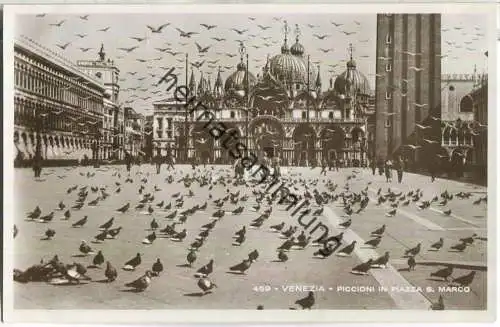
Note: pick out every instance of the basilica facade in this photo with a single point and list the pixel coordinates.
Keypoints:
(282, 112)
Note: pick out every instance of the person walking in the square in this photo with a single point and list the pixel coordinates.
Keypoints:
(388, 170)
(170, 160)
(158, 161)
(400, 168)
(380, 164)
(37, 165)
(373, 165)
(323, 167)
(128, 160)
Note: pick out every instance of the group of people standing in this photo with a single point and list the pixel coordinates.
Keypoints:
(386, 167)
(159, 160)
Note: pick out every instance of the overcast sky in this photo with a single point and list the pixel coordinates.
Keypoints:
(464, 41)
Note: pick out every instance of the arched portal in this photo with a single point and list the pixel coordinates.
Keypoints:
(332, 141)
(203, 145)
(266, 135)
(304, 140)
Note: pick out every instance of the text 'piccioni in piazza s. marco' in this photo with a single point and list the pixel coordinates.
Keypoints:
(295, 288)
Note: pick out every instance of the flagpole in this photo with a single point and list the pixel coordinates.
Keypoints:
(186, 144)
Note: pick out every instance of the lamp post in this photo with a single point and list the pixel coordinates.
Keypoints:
(247, 100)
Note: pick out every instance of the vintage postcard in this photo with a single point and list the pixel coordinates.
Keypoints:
(249, 163)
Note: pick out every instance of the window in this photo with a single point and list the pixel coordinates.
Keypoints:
(304, 115)
(451, 88)
(466, 104)
(388, 95)
(232, 115)
(297, 86)
(169, 134)
(388, 39)
(330, 115)
(388, 67)
(387, 123)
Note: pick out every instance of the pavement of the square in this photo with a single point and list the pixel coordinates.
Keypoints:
(274, 285)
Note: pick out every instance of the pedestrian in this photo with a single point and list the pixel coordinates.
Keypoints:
(37, 164)
(400, 168)
(373, 165)
(323, 167)
(128, 160)
(170, 160)
(236, 168)
(388, 170)
(158, 160)
(432, 172)
(380, 164)
(276, 167)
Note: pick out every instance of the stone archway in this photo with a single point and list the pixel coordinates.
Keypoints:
(267, 135)
(357, 146)
(332, 141)
(304, 140)
(203, 144)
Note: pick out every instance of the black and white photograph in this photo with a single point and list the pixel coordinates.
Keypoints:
(263, 158)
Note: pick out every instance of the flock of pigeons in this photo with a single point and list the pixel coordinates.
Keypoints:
(238, 197)
(140, 55)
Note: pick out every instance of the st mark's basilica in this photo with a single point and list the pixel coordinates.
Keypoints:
(281, 112)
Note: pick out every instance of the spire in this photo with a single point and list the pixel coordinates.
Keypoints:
(474, 78)
(266, 67)
(102, 54)
(318, 80)
(209, 82)
(351, 63)
(297, 49)
(192, 84)
(242, 51)
(201, 85)
(284, 47)
(218, 87)
(297, 33)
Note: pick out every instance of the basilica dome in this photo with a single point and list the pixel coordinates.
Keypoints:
(237, 80)
(352, 82)
(297, 49)
(289, 67)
